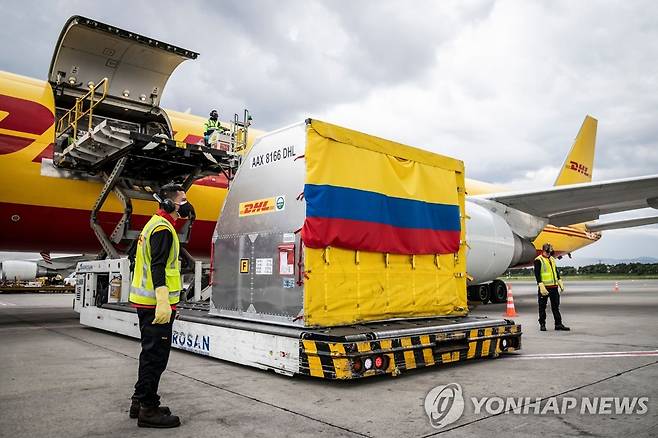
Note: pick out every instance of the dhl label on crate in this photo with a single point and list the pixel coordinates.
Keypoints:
(261, 206)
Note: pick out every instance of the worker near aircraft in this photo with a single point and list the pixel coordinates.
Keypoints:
(549, 287)
(154, 293)
(212, 124)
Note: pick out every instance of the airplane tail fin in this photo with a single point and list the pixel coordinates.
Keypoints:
(578, 165)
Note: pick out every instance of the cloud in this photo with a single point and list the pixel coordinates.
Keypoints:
(503, 85)
(509, 91)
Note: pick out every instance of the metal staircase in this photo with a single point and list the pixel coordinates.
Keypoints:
(240, 132)
(69, 121)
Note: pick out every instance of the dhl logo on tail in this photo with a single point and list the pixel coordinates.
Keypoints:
(577, 167)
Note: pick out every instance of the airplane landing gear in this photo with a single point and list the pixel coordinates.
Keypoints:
(498, 291)
(494, 292)
(479, 293)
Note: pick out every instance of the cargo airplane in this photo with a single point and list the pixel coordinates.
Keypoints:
(46, 208)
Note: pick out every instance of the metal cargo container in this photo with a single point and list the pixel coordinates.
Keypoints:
(264, 271)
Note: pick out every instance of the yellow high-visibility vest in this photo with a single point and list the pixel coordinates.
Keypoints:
(548, 270)
(142, 290)
(210, 124)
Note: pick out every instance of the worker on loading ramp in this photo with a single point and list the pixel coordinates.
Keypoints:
(550, 285)
(212, 124)
(154, 292)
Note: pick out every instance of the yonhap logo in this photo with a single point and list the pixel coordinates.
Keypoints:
(444, 405)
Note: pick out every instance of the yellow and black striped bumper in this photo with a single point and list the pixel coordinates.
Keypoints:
(349, 360)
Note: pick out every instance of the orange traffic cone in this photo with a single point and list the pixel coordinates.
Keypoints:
(511, 311)
(616, 288)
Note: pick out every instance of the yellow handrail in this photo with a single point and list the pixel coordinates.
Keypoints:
(71, 117)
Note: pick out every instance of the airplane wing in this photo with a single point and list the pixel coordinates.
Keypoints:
(625, 223)
(64, 263)
(577, 203)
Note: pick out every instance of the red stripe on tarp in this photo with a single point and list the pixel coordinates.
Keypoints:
(369, 236)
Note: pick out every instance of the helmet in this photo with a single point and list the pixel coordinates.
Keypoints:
(547, 247)
(214, 113)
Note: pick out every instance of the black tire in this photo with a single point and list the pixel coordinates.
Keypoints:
(498, 291)
(483, 293)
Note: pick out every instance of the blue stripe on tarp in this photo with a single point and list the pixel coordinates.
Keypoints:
(325, 201)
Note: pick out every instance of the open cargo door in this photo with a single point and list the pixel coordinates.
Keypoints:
(137, 67)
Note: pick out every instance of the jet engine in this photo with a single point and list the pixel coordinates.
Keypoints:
(493, 247)
(19, 270)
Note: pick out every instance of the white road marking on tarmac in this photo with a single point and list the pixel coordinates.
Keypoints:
(40, 327)
(592, 355)
(2, 303)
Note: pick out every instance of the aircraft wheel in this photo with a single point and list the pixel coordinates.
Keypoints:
(498, 291)
(483, 293)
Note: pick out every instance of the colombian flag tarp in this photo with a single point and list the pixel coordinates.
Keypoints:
(366, 193)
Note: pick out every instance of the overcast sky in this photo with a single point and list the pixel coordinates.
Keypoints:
(502, 85)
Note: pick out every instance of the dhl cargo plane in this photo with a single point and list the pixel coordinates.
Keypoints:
(45, 208)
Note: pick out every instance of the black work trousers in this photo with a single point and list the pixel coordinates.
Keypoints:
(554, 296)
(156, 345)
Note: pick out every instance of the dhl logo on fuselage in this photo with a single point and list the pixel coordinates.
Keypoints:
(261, 206)
(24, 117)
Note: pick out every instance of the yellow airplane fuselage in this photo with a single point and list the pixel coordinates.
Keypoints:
(46, 212)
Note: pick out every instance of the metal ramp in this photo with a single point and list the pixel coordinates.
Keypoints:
(135, 166)
(98, 146)
(151, 156)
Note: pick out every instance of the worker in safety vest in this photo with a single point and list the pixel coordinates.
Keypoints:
(154, 292)
(212, 124)
(549, 287)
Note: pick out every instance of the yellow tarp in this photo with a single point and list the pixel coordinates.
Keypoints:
(337, 163)
(346, 286)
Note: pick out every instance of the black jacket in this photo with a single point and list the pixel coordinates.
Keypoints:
(161, 242)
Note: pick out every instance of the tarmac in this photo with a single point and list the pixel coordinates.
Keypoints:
(58, 378)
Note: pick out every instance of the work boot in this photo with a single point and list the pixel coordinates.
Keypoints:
(562, 327)
(153, 417)
(134, 409)
(542, 327)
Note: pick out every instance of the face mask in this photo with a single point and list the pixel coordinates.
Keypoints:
(185, 210)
